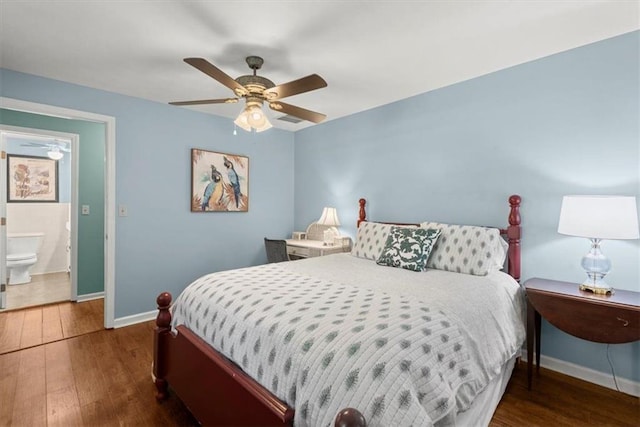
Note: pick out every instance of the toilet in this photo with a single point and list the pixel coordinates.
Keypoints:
(22, 254)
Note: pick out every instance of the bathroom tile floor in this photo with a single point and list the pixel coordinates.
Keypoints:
(43, 289)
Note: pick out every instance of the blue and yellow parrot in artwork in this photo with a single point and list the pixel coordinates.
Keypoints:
(214, 190)
(234, 180)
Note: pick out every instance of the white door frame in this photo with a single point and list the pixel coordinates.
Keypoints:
(110, 185)
(73, 138)
(3, 229)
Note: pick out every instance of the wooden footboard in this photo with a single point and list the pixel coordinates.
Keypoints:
(216, 391)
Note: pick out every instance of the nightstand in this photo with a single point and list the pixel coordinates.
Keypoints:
(611, 319)
(313, 248)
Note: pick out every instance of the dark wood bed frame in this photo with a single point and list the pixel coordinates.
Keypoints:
(218, 392)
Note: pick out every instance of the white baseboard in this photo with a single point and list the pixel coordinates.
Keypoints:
(603, 379)
(49, 272)
(135, 318)
(89, 297)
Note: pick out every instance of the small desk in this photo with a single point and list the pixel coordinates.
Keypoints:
(312, 248)
(598, 318)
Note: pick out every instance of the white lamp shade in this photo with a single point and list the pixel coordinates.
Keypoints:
(243, 121)
(267, 125)
(599, 217)
(256, 117)
(329, 217)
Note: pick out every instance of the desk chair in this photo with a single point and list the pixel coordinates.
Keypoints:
(276, 250)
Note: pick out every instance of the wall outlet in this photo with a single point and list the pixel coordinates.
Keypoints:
(85, 210)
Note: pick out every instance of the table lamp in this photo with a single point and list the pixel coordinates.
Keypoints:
(598, 218)
(329, 218)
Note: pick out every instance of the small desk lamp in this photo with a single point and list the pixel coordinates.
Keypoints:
(329, 218)
(597, 218)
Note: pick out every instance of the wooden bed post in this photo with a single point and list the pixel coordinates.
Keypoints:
(161, 333)
(513, 235)
(350, 417)
(362, 214)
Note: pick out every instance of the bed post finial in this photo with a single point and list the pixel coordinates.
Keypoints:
(362, 214)
(350, 417)
(514, 215)
(513, 234)
(164, 315)
(161, 333)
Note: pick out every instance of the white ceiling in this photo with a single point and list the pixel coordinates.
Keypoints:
(370, 52)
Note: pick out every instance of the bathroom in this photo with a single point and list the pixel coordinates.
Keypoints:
(38, 225)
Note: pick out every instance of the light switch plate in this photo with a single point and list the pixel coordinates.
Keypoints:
(85, 209)
(122, 210)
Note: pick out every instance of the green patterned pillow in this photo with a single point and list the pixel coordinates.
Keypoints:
(408, 248)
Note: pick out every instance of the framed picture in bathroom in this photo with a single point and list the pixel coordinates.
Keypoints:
(219, 182)
(31, 179)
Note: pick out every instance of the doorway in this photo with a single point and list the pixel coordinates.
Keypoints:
(109, 139)
(40, 221)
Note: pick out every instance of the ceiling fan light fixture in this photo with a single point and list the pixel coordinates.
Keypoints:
(267, 125)
(242, 121)
(55, 153)
(252, 117)
(256, 118)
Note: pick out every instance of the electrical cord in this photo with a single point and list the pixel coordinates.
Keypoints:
(613, 372)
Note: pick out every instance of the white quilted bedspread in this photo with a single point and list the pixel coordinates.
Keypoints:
(338, 331)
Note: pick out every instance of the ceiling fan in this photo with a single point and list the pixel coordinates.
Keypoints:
(256, 90)
(54, 149)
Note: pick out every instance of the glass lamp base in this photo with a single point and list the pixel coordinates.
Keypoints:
(596, 265)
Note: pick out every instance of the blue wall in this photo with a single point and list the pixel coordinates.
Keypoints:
(161, 245)
(565, 124)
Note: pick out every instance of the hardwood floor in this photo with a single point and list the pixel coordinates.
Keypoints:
(29, 327)
(100, 378)
(560, 400)
(103, 378)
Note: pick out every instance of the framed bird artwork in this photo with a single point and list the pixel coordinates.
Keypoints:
(219, 182)
(31, 179)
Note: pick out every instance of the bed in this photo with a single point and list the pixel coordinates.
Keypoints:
(352, 339)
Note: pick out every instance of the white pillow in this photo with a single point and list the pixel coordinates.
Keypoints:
(467, 249)
(371, 239)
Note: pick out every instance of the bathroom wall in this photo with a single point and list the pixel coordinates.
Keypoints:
(48, 218)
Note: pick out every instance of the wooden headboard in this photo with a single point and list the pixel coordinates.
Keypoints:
(512, 233)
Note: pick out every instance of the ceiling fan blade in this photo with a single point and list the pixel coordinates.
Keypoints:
(299, 112)
(206, 101)
(46, 145)
(212, 71)
(304, 84)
